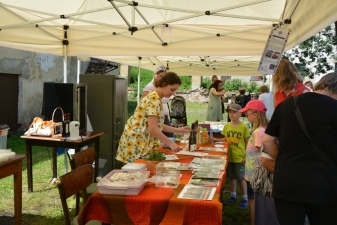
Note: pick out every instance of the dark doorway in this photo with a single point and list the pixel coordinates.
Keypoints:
(9, 97)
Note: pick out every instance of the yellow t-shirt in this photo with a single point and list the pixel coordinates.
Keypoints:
(236, 141)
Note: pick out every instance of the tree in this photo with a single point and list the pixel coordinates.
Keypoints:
(235, 84)
(316, 54)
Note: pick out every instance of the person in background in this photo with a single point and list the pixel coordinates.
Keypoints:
(267, 99)
(309, 85)
(223, 80)
(288, 82)
(145, 126)
(242, 99)
(214, 102)
(305, 176)
(214, 78)
(255, 111)
(236, 134)
(158, 74)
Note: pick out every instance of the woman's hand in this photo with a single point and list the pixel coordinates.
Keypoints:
(185, 129)
(174, 147)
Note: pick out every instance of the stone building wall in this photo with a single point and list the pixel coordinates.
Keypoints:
(34, 69)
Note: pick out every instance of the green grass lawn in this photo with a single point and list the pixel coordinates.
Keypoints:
(43, 206)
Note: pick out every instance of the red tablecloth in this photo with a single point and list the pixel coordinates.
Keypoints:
(155, 206)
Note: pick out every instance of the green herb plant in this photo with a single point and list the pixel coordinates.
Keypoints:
(155, 155)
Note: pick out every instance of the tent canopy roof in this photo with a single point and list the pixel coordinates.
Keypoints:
(150, 28)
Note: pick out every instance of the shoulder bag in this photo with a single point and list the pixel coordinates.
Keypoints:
(261, 179)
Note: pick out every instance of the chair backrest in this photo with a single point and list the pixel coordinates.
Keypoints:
(72, 183)
(82, 158)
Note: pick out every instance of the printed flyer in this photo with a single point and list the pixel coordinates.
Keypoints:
(273, 51)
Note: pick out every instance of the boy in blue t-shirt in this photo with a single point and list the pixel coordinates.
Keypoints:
(236, 134)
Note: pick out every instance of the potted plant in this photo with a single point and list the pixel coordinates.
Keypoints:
(154, 157)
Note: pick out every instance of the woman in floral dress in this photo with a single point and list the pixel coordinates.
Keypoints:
(145, 126)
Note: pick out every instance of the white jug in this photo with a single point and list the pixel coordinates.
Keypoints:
(74, 128)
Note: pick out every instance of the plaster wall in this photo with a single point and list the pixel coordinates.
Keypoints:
(34, 69)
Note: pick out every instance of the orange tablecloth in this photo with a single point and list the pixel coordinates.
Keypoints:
(155, 206)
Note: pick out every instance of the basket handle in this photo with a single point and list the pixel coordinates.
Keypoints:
(52, 120)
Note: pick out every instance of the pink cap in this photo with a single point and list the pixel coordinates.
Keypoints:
(254, 105)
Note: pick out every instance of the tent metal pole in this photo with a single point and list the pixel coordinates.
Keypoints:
(65, 64)
(138, 91)
(141, 39)
(120, 13)
(36, 25)
(133, 16)
(78, 71)
(248, 17)
(192, 11)
(146, 21)
(55, 17)
(98, 23)
(202, 13)
(65, 42)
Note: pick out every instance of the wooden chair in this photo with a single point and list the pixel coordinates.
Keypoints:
(73, 182)
(79, 159)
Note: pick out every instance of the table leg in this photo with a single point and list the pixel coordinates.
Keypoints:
(29, 166)
(66, 160)
(96, 157)
(18, 194)
(54, 164)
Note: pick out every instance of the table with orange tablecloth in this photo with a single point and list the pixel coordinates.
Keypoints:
(155, 205)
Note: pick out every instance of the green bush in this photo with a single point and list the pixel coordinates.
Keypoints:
(186, 83)
(206, 82)
(235, 84)
(146, 77)
(252, 87)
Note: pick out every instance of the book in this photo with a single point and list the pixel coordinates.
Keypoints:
(200, 193)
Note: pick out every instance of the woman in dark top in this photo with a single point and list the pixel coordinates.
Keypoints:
(305, 177)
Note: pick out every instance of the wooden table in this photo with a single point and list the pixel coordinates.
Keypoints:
(155, 205)
(88, 138)
(14, 166)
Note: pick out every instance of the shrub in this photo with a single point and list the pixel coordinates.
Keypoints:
(146, 77)
(206, 82)
(186, 83)
(235, 84)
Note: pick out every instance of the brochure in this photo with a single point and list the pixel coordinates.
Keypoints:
(213, 149)
(192, 153)
(205, 182)
(200, 193)
(200, 175)
(206, 170)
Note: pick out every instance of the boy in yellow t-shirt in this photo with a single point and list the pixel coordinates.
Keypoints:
(236, 134)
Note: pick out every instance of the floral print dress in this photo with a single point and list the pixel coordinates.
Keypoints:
(136, 140)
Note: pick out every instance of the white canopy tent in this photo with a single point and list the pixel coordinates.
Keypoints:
(175, 29)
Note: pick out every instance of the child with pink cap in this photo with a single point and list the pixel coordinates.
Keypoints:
(255, 111)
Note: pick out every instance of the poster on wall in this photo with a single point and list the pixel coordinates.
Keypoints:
(273, 51)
